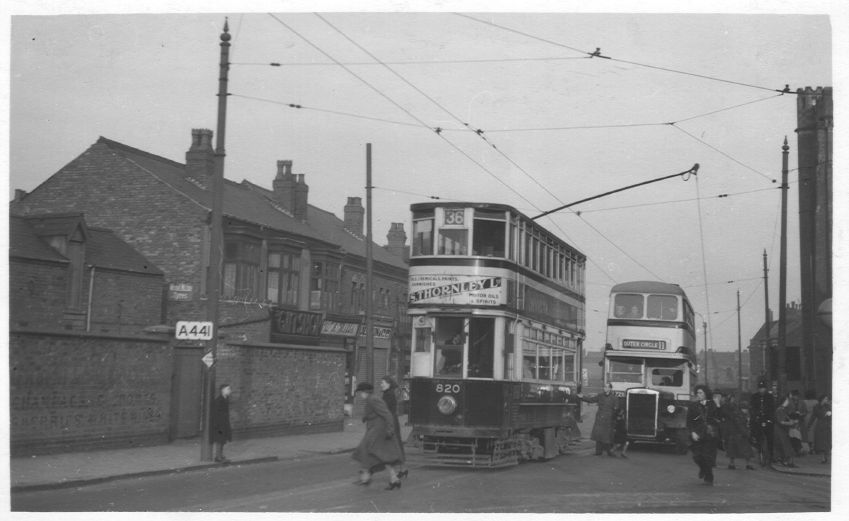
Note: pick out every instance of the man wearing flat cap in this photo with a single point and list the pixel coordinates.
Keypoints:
(762, 416)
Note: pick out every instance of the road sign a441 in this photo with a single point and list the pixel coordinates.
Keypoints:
(186, 330)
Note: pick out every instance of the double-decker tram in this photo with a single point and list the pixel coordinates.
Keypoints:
(650, 359)
(497, 306)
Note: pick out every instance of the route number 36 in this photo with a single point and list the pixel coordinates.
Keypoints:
(448, 388)
(454, 216)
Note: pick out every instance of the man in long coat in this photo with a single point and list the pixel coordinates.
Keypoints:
(762, 417)
(380, 447)
(608, 406)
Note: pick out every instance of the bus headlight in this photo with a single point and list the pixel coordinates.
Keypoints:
(670, 408)
(446, 405)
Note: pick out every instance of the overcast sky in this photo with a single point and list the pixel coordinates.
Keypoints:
(554, 125)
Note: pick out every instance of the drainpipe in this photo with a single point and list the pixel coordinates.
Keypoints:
(90, 296)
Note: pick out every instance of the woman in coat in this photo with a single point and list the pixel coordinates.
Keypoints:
(782, 448)
(605, 417)
(735, 433)
(703, 424)
(389, 386)
(822, 427)
(379, 447)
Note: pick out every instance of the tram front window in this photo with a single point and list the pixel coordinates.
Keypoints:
(481, 347)
(450, 340)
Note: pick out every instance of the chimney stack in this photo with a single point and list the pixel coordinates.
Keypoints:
(200, 159)
(19, 195)
(354, 212)
(396, 241)
(290, 190)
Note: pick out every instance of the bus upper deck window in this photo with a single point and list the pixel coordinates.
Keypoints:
(628, 305)
(662, 307)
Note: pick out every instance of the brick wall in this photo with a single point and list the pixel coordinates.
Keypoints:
(37, 294)
(124, 302)
(74, 391)
(280, 389)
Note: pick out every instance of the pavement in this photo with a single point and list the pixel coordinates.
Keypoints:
(75, 469)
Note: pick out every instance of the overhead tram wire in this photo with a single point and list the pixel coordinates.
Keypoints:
(723, 153)
(411, 62)
(479, 133)
(597, 54)
(476, 131)
(378, 91)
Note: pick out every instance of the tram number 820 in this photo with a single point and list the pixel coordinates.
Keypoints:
(448, 388)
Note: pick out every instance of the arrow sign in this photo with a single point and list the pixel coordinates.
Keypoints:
(208, 359)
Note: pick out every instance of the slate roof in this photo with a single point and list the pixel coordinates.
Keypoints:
(103, 248)
(24, 243)
(252, 203)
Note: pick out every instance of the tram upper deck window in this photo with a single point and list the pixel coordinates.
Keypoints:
(488, 233)
(423, 233)
(628, 305)
(625, 370)
(453, 237)
(662, 307)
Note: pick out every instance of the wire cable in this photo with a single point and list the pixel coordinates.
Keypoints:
(723, 153)
(411, 62)
(597, 54)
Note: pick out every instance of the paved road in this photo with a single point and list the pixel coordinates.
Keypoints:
(650, 480)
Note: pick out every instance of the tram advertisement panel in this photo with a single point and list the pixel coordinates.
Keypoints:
(472, 290)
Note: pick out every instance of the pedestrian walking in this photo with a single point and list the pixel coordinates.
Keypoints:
(220, 422)
(782, 446)
(735, 432)
(379, 447)
(719, 399)
(762, 419)
(703, 424)
(602, 432)
(822, 427)
(390, 389)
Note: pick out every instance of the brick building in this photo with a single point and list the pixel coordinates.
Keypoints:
(293, 284)
(760, 357)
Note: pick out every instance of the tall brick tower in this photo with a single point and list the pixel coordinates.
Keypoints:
(815, 121)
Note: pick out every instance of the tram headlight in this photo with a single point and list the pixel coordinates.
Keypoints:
(670, 409)
(446, 405)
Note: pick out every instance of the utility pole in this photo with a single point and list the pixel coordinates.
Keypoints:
(369, 267)
(707, 360)
(739, 349)
(213, 289)
(782, 279)
(767, 355)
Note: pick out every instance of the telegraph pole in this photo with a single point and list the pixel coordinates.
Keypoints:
(767, 355)
(739, 349)
(369, 275)
(216, 243)
(782, 279)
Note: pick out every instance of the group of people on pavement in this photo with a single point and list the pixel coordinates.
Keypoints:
(717, 421)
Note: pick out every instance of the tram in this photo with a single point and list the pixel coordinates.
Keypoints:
(650, 359)
(497, 305)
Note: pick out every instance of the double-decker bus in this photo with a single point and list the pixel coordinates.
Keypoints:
(650, 359)
(497, 305)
